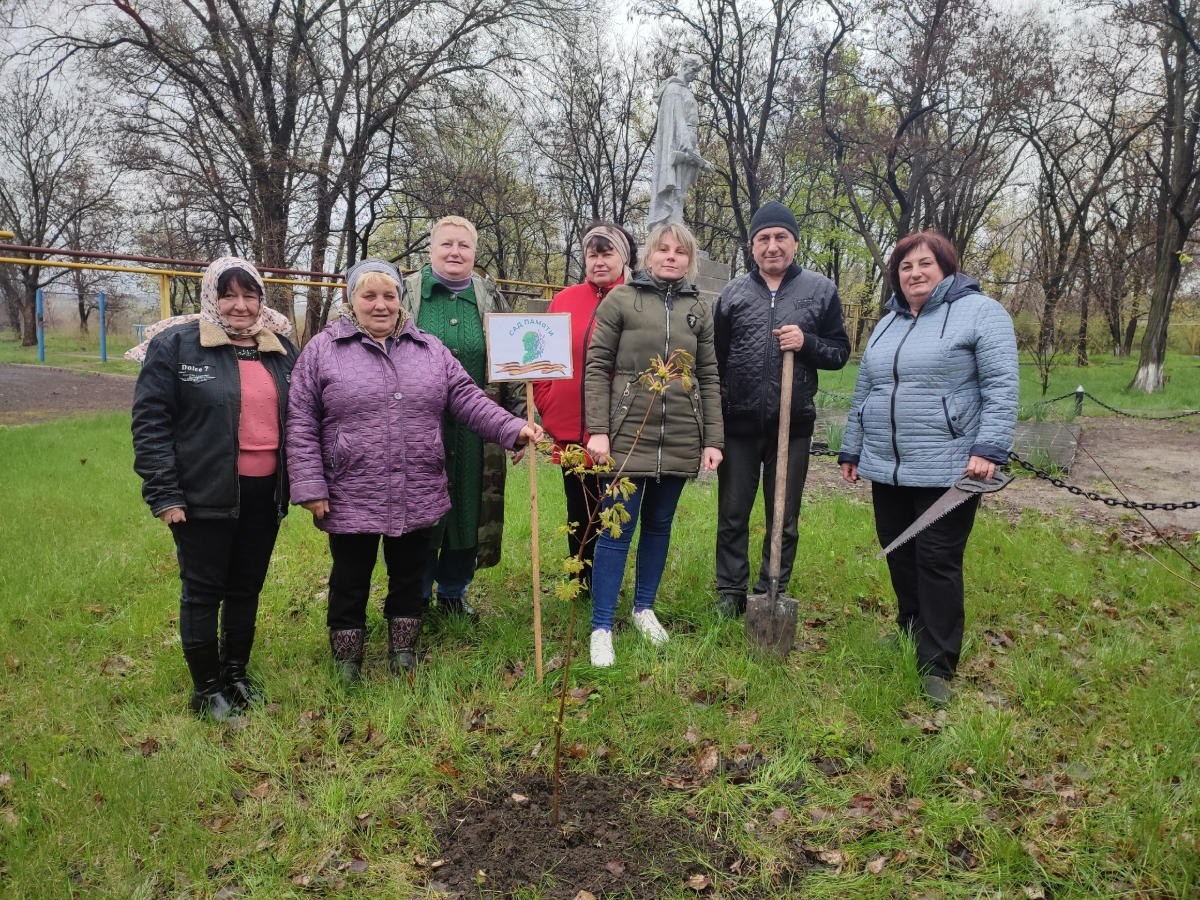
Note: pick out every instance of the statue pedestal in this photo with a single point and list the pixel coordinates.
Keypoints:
(711, 279)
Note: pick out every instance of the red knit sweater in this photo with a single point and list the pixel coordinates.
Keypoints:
(560, 402)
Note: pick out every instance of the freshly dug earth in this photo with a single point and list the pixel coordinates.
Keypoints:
(607, 843)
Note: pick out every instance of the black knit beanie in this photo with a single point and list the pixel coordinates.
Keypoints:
(774, 214)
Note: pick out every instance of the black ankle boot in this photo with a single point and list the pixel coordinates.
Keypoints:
(348, 646)
(458, 606)
(235, 655)
(208, 695)
(402, 643)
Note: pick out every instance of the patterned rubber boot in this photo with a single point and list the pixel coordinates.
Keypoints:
(348, 646)
(402, 644)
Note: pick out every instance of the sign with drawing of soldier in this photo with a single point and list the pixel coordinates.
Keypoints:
(528, 347)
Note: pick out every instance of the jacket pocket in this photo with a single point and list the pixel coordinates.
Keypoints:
(621, 404)
(950, 411)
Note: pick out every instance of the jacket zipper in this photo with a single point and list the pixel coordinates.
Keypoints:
(892, 411)
(762, 402)
(587, 340)
(662, 421)
(237, 437)
(280, 506)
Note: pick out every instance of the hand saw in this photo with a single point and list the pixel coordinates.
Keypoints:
(964, 489)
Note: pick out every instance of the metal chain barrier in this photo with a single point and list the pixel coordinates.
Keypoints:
(1078, 396)
(1098, 498)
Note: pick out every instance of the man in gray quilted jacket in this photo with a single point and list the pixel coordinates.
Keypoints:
(776, 307)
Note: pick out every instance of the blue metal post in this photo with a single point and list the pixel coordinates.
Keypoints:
(41, 328)
(103, 330)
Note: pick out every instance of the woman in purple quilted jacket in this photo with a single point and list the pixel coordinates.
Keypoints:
(365, 454)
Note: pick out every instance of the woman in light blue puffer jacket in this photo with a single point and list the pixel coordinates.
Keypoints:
(936, 398)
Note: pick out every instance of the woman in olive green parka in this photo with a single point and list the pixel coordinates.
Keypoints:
(657, 313)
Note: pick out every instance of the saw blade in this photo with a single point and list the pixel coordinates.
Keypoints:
(953, 497)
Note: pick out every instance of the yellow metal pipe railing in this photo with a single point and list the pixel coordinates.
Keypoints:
(165, 276)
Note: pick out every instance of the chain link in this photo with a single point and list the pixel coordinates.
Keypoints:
(1099, 498)
(1074, 395)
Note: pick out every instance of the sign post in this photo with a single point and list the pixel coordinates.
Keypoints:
(530, 348)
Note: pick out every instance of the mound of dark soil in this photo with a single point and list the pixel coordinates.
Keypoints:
(607, 842)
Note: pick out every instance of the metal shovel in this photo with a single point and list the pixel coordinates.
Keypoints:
(771, 618)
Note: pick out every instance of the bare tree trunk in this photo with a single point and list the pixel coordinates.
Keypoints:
(1131, 327)
(1081, 356)
(1149, 375)
(29, 319)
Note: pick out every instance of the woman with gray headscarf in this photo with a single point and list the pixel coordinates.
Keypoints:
(366, 457)
(609, 253)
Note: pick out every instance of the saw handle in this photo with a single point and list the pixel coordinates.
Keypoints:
(997, 482)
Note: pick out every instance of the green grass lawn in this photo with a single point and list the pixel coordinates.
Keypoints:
(1069, 764)
(1107, 378)
(69, 351)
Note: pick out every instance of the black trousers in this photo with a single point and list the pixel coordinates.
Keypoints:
(927, 571)
(223, 564)
(737, 488)
(354, 558)
(583, 496)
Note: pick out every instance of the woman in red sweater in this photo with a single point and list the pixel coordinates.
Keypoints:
(609, 254)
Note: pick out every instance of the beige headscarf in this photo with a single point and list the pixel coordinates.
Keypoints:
(210, 310)
(617, 238)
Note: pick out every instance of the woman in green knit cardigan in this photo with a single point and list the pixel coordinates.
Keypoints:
(448, 300)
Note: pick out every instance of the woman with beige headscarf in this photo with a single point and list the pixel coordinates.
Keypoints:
(208, 437)
(609, 253)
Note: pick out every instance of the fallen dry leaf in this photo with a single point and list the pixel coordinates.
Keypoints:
(520, 798)
(833, 858)
(698, 882)
(1035, 892)
(555, 664)
(5, 781)
(876, 865)
(116, 665)
(692, 735)
(576, 750)
(833, 766)
(358, 866)
(778, 817)
(302, 880)
(614, 867)
(11, 662)
(446, 768)
(260, 790)
(61, 784)
(750, 718)
(94, 610)
(585, 895)
(707, 761)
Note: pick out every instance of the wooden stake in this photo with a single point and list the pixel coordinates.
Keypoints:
(531, 452)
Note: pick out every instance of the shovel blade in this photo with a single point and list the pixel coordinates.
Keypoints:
(771, 623)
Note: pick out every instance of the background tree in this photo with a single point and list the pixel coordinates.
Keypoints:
(50, 176)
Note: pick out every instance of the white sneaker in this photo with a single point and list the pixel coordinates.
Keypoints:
(602, 649)
(647, 623)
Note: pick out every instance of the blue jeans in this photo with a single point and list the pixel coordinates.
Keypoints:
(452, 570)
(655, 501)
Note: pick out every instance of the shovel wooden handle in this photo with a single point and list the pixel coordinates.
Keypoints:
(781, 468)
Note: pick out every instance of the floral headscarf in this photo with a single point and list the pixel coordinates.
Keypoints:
(210, 310)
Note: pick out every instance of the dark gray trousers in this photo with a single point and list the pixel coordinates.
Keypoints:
(737, 488)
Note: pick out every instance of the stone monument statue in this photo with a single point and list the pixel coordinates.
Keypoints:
(677, 160)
